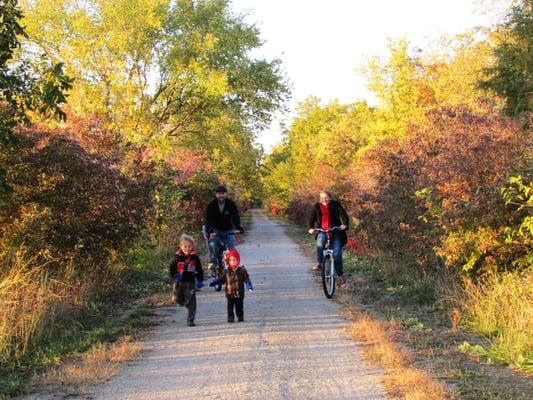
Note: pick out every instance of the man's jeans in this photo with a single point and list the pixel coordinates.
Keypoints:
(335, 245)
(217, 242)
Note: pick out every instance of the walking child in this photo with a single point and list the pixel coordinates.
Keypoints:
(235, 279)
(186, 271)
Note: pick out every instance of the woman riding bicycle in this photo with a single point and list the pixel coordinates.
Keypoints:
(328, 213)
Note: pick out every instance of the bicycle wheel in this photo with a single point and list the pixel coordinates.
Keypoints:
(219, 272)
(328, 276)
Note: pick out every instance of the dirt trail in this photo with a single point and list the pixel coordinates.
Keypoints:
(292, 344)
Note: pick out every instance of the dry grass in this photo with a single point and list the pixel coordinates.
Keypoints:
(402, 379)
(96, 366)
(159, 300)
(30, 303)
(412, 384)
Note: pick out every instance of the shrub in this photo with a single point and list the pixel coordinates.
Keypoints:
(421, 193)
(64, 232)
(74, 205)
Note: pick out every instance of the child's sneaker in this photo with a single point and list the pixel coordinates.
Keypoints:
(240, 319)
(341, 280)
(190, 322)
(231, 319)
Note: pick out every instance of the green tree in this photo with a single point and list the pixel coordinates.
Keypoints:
(159, 67)
(167, 75)
(512, 76)
(400, 84)
(25, 85)
(278, 177)
(310, 136)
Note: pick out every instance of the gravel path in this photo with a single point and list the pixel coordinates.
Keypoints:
(292, 344)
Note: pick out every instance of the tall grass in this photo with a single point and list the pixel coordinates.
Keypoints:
(501, 307)
(31, 301)
(49, 309)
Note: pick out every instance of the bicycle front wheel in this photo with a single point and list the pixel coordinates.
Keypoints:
(328, 276)
(219, 273)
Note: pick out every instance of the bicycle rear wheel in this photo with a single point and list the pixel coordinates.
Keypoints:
(328, 276)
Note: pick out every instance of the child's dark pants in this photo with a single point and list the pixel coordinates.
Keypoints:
(238, 304)
(184, 293)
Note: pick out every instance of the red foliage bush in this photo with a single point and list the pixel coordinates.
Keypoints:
(446, 176)
(73, 205)
(358, 245)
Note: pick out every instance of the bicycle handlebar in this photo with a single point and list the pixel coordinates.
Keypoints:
(234, 232)
(333, 228)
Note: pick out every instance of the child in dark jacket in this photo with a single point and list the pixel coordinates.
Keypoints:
(186, 268)
(235, 278)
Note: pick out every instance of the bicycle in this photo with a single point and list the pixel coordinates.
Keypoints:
(328, 264)
(219, 271)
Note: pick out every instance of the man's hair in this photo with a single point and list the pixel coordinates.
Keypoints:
(186, 238)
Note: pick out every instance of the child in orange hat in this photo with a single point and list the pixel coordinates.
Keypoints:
(235, 279)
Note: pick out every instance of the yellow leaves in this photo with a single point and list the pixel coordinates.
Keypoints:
(411, 82)
(210, 41)
(468, 248)
(215, 83)
(106, 47)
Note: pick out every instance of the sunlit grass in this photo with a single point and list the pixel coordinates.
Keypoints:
(95, 366)
(501, 308)
(45, 318)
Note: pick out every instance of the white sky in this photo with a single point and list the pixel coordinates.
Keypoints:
(321, 42)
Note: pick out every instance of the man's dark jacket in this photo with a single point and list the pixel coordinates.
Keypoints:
(226, 220)
(337, 217)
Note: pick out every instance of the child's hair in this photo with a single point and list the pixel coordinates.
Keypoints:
(186, 238)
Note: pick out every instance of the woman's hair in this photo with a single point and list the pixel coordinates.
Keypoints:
(186, 238)
(326, 192)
